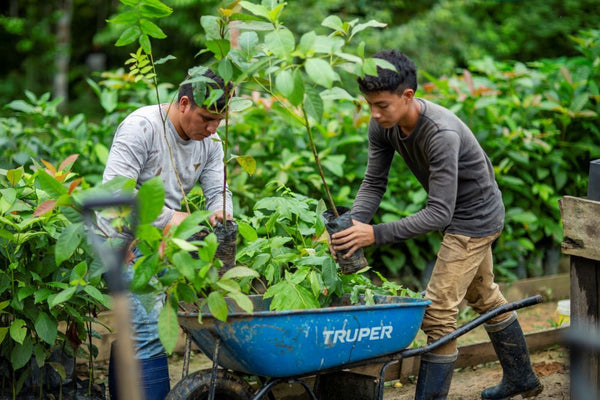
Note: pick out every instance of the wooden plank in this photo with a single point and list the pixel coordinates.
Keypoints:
(581, 227)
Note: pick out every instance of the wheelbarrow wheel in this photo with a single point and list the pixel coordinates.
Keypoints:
(196, 386)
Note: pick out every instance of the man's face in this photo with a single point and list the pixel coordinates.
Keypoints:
(198, 123)
(388, 108)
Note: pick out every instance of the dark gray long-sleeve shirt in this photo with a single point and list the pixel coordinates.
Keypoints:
(444, 155)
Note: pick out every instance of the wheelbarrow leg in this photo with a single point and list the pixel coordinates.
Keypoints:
(213, 375)
(380, 386)
(269, 385)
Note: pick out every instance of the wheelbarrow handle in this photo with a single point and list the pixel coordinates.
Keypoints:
(508, 307)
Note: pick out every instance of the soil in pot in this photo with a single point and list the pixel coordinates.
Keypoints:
(333, 224)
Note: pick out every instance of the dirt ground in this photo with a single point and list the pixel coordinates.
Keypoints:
(551, 365)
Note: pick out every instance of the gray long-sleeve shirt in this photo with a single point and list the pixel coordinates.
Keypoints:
(139, 151)
(445, 157)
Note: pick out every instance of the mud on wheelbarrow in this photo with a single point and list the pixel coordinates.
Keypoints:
(287, 346)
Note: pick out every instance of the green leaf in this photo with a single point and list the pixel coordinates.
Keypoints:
(18, 330)
(46, 328)
(62, 296)
(155, 9)
(147, 47)
(129, 36)
(150, 199)
(50, 185)
(256, 9)
(336, 93)
(297, 95)
(127, 18)
(289, 296)
(14, 175)
(243, 301)
(21, 353)
(284, 82)
(68, 241)
(371, 24)
(333, 22)
(225, 69)
(247, 231)
(3, 332)
(97, 295)
(164, 60)
(248, 42)
(238, 104)
(219, 47)
(248, 164)
(320, 72)
(240, 272)
(314, 104)
(217, 306)
(280, 42)
(168, 327)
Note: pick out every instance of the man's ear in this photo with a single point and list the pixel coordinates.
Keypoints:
(184, 103)
(408, 93)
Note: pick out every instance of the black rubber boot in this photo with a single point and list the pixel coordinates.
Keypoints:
(518, 377)
(435, 374)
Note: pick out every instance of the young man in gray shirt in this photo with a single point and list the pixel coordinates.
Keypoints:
(193, 154)
(464, 202)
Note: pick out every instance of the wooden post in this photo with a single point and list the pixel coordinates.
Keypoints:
(581, 231)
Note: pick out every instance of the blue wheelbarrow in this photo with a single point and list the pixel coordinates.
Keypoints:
(289, 346)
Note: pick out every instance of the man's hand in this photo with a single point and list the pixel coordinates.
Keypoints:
(176, 219)
(357, 236)
(217, 216)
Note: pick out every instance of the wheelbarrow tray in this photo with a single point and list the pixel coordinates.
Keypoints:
(300, 342)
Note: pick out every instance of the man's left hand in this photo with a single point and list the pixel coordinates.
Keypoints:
(357, 236)
(217, 216)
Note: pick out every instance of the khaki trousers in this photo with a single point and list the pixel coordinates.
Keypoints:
(464, 269)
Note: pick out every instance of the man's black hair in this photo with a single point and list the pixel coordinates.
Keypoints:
(187, 89)
(389, 80)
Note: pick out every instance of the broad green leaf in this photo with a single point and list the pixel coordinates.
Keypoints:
(109, 100)
(129, 36)
(247, 231)
(256, 9)
(297, 95)
(320, 72)
(248, 164)
(336, 93)
(314, 104)
(25, 292)
(21, 105)
(184, 244)
(62, 296)
(155, 9)
(168, 327)
(248, 42)
(68, 241)
(240, 272)
(280, 42)
(3, 332)
(150, 200)
(289, 296)
(243, 301)
(94, 293)
(185, 264)
(370, 24)
(7, 199)
(381, 63)
(238, 104)
(126, 18)
(59, 369)
(18, 330)
(147, 47)
(225, 69)
(14, 175)
(217, 306)
(333, 22)
(46, 328)
(21, 353)
(284, 82)
(219, 47)
(50, 185)
(335, 164)
(229, 285)
(369, 67)
(164, 59)
(143, 271)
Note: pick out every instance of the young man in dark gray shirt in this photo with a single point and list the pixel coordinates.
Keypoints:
(464, 202)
